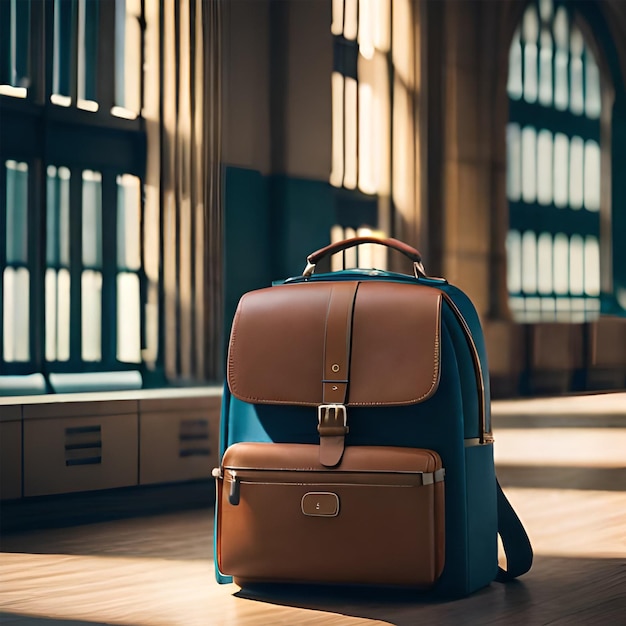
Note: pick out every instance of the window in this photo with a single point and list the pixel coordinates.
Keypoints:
(102, 193)
(553, 168)
(373, 99)
(73, 155)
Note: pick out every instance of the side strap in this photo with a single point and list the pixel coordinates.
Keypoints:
(519, 553)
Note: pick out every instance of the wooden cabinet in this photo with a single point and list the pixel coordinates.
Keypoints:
(10, 452)
(80, 446)
(179, 438)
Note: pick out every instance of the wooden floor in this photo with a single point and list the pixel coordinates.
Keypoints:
(566, 475)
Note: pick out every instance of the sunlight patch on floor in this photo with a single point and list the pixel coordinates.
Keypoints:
(588, 523)
(607, 404)
(571, 447)
(136, 592)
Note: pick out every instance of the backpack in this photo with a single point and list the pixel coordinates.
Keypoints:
(355, 437)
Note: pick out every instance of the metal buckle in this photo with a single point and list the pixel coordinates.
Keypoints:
(326, 412)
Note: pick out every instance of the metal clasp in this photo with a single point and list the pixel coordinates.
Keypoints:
(418, 270)
(332, 413)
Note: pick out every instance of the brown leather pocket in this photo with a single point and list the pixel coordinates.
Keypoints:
(376, 519)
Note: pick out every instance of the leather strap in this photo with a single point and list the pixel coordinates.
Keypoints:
(336, 372)
(337, 342)
(519, 552)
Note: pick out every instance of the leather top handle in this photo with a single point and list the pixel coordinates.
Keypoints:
(339, 246)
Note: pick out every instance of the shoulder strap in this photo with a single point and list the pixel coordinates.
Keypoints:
(519, 553)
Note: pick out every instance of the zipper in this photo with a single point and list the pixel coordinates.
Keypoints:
(235, 477)
(233, 493)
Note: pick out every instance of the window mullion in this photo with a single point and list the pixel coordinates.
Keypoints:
(37, 52)
(46, 69)
(3, 252)
(106, 57)
(76, 266)
(74, 52)
(36, 262)
(109, 269)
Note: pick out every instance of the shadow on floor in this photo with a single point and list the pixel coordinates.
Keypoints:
(557, 591)
(563, 477)
(76, 509)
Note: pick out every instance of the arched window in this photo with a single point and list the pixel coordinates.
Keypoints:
(553, 168)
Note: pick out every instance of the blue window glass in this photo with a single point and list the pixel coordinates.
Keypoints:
(553, 168)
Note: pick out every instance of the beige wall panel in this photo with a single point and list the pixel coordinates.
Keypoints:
(505, 347)
(463, 32)
(615, 10)
(472, 223)
(471, 275)
(451, 202)
(10, 459)
(608, 342)
(178, 445)
(45, 454)
(246, 123)
(466, 137)
(467, 230)
(556, 346)
(309, 67)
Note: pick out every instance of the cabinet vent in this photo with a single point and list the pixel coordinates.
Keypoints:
(193, 438)
(83, 445)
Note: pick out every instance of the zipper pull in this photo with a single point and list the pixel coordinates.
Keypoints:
(233, 495)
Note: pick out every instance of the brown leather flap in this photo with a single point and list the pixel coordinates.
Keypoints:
(278, 342)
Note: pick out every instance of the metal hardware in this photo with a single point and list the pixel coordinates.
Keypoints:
(309, 269)
(320, 504)
(216, 472)
(334, 367)
(429, 478)
(233, 494)
(330, 413)
(418, 269)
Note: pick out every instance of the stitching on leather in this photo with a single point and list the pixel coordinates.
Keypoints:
(230, 375)
(424, 396)
(328, 305)
(435, 379)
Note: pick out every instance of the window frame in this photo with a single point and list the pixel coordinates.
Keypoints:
(41, 133)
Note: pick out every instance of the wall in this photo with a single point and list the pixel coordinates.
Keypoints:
(278, 203)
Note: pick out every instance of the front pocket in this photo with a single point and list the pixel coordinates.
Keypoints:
(297, 521)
